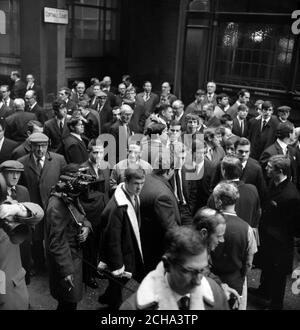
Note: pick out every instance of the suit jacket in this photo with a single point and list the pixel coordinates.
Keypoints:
(213, 101)
(39, 112)
(94, 205)
(150, 104)
(247, 206)
(199, 188)
(252, 174)
(7, 148)
(16, 128)
(71, 107)
(21, 150)
(213, 122)
(5, 110)
(76, 98)
(16, 297)
(121, 241)
(279, 225)
(171, 98)
(105, 114)
(236, 129)
(119, 99)
(39, 93)
(55, 136)
(75, 150)
(18, 89)
(232, 111)
(63, 255)
(116, 129)
(194, 108)
(262, 139)
(275, 149)
(39, 187)
(159, 212)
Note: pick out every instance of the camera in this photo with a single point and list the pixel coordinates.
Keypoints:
(77, 183)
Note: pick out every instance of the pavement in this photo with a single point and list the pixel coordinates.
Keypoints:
(40, 298)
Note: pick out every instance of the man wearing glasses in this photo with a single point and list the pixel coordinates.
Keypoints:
(178, 282)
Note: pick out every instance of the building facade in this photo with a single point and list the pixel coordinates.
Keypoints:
(238, 44)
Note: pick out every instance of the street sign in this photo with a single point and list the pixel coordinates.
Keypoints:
(56, 16)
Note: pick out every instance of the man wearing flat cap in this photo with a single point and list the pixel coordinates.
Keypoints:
(13, 290)
(11, 171)
(41, 172)
(283, 113)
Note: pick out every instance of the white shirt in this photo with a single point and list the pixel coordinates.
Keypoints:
(42, 160)
(1, 103)
(77, 136)
(60, 121)
(1, 143)
(283, 146)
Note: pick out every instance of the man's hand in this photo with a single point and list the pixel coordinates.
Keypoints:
(8, 211)
(69, 282)
(228, 291)
(84, 234)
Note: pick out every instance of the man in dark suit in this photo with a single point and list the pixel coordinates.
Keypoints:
(211, 120)
(56, 128)
(75, 148)
(159, 212)
(18, 89)
(79, 94)
(121, 95)
(247, 206)
(101, 104)
(252, 171)
(179, 183)
(166, 97)
(93, 206)
(64, 94)
(278, 227)
(262, 132)
(210, 96)
(31, 85)
(121, 246)
(6, 103)
(122, 132)
(196, 106)
(115, 117)
(243, 98)
(147, 99)
(285, 136)
(33, 107)
(240, 125)
(24, 148)
(90, 120)
(17, 122)
(41, 172)
(6, 145)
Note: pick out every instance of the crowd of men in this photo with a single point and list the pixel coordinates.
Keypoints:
(188, 198)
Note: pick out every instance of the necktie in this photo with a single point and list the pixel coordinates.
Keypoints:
(39, 166)
(13, 193)
(61, 127)
(184, 303)
(178, 187)
(264, 124)
(242, 127)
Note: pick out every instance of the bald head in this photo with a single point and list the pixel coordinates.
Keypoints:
(19, 104)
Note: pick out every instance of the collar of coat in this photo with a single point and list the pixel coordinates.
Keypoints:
(154, 290)
(122, 200)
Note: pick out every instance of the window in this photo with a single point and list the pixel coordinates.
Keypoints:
(254, 54)
(274, 6)
(9, 28)
(94, 28)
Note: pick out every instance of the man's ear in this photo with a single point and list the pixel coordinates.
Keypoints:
(204, 233)
(166, 262)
